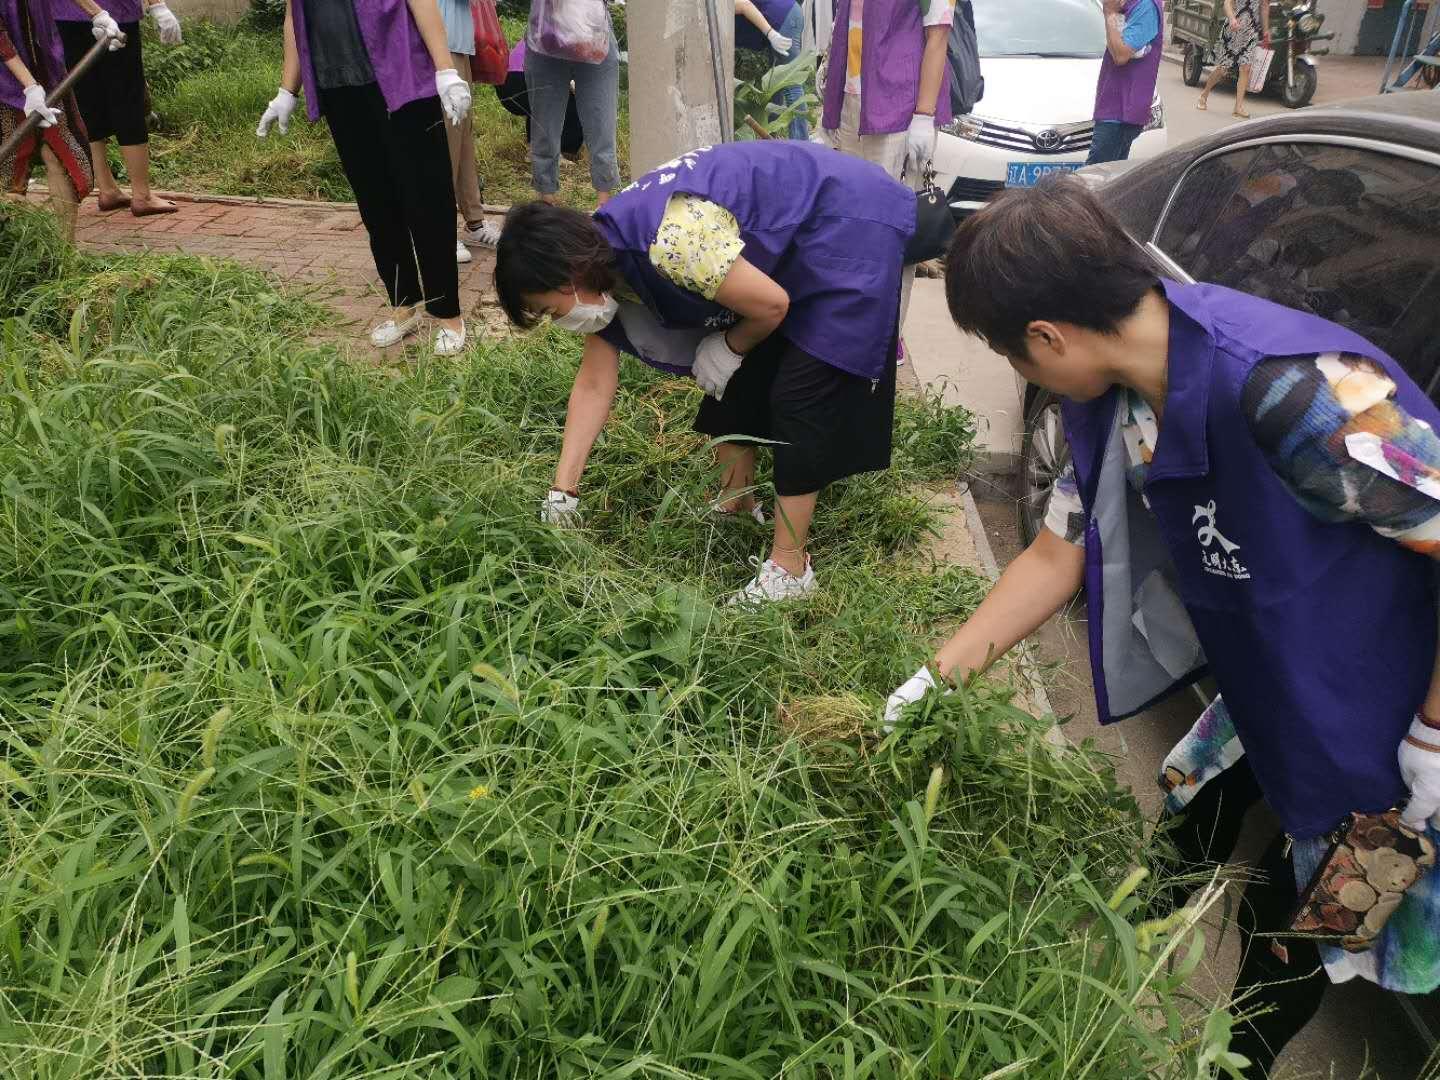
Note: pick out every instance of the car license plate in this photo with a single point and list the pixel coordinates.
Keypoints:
(1028, 173)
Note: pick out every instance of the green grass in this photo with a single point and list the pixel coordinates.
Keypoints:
(209, 94)
(321, 757)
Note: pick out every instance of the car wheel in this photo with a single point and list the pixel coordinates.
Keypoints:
(1303, 90)
(1193, 67)
(1044, 455)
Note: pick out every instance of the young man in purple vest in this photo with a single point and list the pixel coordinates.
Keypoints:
(1127, 76)
(887, 86)
(1255, 494)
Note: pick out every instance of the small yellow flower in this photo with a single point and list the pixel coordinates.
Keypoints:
(479, 791)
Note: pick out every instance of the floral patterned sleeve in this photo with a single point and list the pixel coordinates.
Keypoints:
(1065, 512)
(1332, 430)
(697, 244)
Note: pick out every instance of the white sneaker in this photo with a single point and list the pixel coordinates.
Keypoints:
(450, 342)
(776, 583)
(462, 253)
(487, 235)
(391, 332)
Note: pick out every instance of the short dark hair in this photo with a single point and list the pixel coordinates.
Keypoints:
(544, 247)
(1049, 252)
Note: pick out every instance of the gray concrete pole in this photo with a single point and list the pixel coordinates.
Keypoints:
(675, 101)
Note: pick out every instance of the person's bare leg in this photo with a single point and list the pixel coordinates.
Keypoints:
(62, 193)
(1216, 74)
(137, 164)
(602, 197)
(792, 531)
(737, 477)
(107, 188)
(1241, 86)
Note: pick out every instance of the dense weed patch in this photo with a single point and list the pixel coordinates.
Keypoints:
(321, 757)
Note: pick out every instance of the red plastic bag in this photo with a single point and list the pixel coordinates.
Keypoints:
(492, 54)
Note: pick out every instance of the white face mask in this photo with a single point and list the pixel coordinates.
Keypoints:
(589, 318)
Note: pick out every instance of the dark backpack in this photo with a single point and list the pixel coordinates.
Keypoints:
(967, 85)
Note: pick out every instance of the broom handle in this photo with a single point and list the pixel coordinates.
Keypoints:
(66, 85)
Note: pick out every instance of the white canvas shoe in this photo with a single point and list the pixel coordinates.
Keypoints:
(462, 253)
(756, 514)
(450, 342)
(391, 332)
(487, 235)
(776, 583)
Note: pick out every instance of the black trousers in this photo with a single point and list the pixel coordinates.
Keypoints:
(399, 167)
(1288, 994)
(516, 99)
(111, 94)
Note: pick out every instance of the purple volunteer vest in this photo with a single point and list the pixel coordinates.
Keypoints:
(47, 69)
(747, 34)
(402, 64)
(829, 228)
(890, 52)
(122, 11)
(1125, 91)
(1321, 636)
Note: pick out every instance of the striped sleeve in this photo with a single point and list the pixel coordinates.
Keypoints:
(1332, 430)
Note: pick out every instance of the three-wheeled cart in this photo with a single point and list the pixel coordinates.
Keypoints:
(1293, 74)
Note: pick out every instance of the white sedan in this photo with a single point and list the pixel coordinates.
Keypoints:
(1040, 60)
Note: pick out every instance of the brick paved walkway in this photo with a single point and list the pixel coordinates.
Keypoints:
(319, 244)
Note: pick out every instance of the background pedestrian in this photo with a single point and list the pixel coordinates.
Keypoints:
(34, 60)
(379, 71)
(1129, 69)
(1247, 27)
(111, 96)
(887, 86)
(515, 97)
(469, 191)
(775, 26)
(554, 61)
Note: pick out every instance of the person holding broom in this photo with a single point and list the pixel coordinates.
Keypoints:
(34, 59)
(1255, 494)
(768, 271)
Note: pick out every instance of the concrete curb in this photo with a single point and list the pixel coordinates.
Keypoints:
(991, 567)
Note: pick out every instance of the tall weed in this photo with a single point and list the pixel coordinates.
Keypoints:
(320, 756)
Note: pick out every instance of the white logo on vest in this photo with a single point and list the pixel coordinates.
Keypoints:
(1221, 563)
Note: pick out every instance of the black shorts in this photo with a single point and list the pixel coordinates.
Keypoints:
(827, 424)
(111, 95)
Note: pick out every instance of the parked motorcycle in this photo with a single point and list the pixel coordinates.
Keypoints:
(1293, 75)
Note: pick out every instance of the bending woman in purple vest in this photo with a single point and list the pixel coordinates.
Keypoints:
(768, 271)
(1255, 493)
(380, 72)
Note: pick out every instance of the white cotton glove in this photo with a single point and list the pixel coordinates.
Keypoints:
(779, 42)
(1420, 769)
(35, 106)
(166, 23)
(560, 509)
(454, 95)
(104, 26)
(715, 363)
(910, 691)
(278, 112)
(919, 145)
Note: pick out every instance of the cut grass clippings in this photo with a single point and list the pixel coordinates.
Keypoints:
(210, 92)
(321, 757)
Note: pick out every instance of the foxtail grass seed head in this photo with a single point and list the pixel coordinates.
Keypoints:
(932, 791)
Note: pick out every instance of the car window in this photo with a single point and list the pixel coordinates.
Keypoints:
(1040, 28)
(1349, 233)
